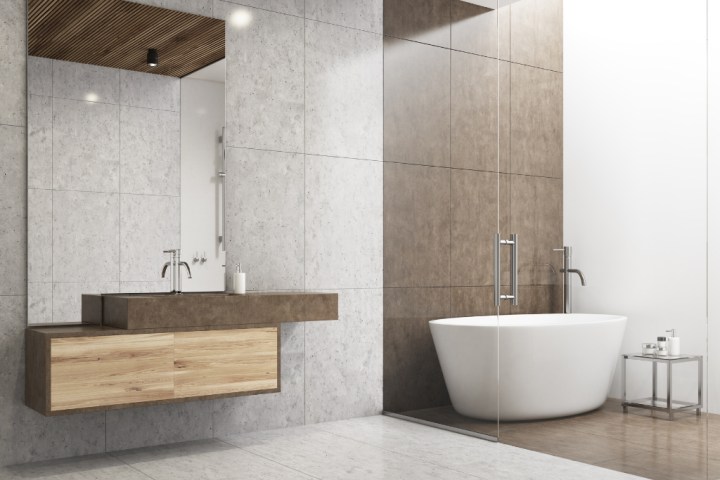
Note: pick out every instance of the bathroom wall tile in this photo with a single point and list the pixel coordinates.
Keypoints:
(197, 7)
(12, 344)
(290, 7)
(474, 112)
(416, 226)
(40, 235)
(39, 142)
(159, 424)
(85, 237)
(79, 81)
(475, 301)
(147, 90)
(426, 21)
(13, 211)
(26, 435)
(343, 223)
(343, 91)
(417, 103)
(474, 28)
(537, 218)
(474, 224)
(67, 298)
(271, 410)
(537, 122)
(148, 225)
(343, 360)
(539, 299)
(367, 15)
(39, 302)
(149, 151)
(13, 49)
(537, 33)
(412, 376)
(505, 117)
(85, 146)
(265, 100)
(265, 217)
(146, 287)
(39, 76)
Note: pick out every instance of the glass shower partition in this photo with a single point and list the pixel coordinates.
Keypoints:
(446, 199)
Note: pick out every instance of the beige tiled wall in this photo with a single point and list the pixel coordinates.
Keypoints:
(473, 145)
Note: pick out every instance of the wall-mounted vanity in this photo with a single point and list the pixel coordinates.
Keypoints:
(164, 348)
(126, 159)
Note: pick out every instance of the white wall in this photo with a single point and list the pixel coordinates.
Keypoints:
(635, 168)
(713, 200)
(202, 117)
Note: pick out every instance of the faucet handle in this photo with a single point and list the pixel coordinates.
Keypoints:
(559, 249)
(172, 250)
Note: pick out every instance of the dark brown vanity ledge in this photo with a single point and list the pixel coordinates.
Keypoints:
(211, 309)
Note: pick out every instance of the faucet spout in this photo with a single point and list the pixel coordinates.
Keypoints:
(164, 269)
(579, 274)
(187, 267)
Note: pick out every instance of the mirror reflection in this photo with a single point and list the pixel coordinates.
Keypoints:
(125, 154)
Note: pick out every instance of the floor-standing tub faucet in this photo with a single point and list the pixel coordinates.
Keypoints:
(567, 281)
(175, 263)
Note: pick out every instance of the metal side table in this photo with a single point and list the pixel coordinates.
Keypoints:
(668, 405)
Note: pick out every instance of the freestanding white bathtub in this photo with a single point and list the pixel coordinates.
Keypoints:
(551, 365)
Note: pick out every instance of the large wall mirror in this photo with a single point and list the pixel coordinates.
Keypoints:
(126, 115)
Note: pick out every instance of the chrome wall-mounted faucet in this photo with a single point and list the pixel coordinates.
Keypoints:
(175, 263)
(567, 281)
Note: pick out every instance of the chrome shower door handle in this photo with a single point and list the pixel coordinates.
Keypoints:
(514, 268)
(496, 268)
(513, 243)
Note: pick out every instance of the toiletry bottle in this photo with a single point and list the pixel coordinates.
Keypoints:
(662, 350)
(238, 280)
(673, 343)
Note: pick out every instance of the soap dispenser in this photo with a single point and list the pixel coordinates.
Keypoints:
(238, 280)
(673, 343)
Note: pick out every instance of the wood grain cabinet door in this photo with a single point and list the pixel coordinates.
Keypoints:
(219, 362)
(117, 369)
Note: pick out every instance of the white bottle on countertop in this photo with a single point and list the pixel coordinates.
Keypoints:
(673, 343)
(238, 280)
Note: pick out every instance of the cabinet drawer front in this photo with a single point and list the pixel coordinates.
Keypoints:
(118, 369)
(226, 361)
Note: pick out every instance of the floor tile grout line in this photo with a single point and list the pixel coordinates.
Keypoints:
(119, 459)
(400, 454)
(269, 459)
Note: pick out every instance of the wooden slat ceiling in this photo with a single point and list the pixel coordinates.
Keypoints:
(118, 34)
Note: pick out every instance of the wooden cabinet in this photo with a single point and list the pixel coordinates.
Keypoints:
(92, 368)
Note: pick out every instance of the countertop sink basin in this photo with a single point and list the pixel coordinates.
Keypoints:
(206, 309)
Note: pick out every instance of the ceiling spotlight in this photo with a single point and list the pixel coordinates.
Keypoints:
(152, 57)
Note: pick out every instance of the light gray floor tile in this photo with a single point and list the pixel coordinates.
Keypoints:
(205, 460)
(327, 456)
(94, 467)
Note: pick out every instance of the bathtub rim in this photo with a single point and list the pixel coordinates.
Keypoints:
(495, 321)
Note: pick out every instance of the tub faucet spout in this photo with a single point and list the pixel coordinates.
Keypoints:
(579, 274)
(567, 282)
